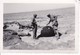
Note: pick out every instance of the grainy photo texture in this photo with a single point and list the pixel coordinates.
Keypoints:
(38, 26)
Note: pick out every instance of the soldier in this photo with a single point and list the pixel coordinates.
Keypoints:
(54, 23)
(34, 25)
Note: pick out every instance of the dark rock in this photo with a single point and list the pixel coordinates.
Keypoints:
(47, 31)
(14, 33)
(5, 26)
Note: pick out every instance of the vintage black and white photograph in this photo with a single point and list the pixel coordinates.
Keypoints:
(38, 26)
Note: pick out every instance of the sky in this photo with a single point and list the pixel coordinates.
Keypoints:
(27, 7)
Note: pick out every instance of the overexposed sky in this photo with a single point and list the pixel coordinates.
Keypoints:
(26, 7)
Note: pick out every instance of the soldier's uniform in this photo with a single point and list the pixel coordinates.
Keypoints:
(34, 24)
(54, 24)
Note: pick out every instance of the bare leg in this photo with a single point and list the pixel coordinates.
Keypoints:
(57, 35)
(35, 32)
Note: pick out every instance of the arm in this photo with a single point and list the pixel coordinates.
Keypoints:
(49, 22)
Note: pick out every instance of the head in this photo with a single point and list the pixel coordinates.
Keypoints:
(52, 16)
(55, 17)
(49, 16)
(35, 15)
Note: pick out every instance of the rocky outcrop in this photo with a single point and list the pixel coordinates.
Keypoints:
(10, 38)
